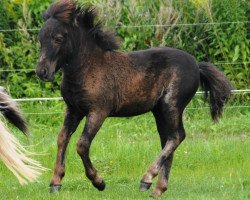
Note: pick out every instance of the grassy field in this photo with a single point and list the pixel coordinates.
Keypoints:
(212, 163)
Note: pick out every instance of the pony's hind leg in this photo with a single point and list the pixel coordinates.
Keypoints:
(164, 129)
(168, 114)
(162, 182)
(71, 122)
(169, 124)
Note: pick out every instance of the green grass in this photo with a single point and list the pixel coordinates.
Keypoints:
(212, 163)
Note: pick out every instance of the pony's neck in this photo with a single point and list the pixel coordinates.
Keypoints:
(85, 52)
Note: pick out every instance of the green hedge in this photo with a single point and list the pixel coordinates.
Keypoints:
(215, 43)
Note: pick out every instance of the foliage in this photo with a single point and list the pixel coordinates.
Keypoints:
(132, 20)
(19, 50)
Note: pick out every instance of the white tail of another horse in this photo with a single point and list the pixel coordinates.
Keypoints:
(12, 153)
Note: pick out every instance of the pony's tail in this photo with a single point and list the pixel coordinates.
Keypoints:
(15, 157)
(10, 111)
(218, 86)
(12, 153)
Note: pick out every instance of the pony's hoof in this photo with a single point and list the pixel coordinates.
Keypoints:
(100, 186)
(55, 188)
(156, 194)
(144, 186)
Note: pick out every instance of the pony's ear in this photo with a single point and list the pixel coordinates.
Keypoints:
(45, 15)
(86, 17)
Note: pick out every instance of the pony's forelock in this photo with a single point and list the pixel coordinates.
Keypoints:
(62, 10)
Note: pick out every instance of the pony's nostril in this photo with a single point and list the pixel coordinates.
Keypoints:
(44, 72)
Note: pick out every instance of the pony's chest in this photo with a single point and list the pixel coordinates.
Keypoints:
(74, 97)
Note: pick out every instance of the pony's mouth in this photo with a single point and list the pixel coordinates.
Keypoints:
(48, 79)
(49, 76)
(46, 70)
(45, 74)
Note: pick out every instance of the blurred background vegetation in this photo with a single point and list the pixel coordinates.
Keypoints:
(214, 161)
(218, 43)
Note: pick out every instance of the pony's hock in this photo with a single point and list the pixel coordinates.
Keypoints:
(100, 82)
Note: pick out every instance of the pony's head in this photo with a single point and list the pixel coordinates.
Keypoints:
(53, 37)
(67, 27)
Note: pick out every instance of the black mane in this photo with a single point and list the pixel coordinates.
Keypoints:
(68, 12)
(104, 39)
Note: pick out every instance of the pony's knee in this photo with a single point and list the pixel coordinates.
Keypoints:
(177, 136)
(82, 146)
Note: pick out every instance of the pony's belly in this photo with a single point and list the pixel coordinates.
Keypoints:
(132, 110)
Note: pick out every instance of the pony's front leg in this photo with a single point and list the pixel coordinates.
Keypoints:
(71, 121)
(94, 121)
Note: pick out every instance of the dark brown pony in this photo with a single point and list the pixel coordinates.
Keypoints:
(100, 82)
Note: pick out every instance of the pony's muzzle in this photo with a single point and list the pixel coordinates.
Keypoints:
(46, 69)
(44, 74)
